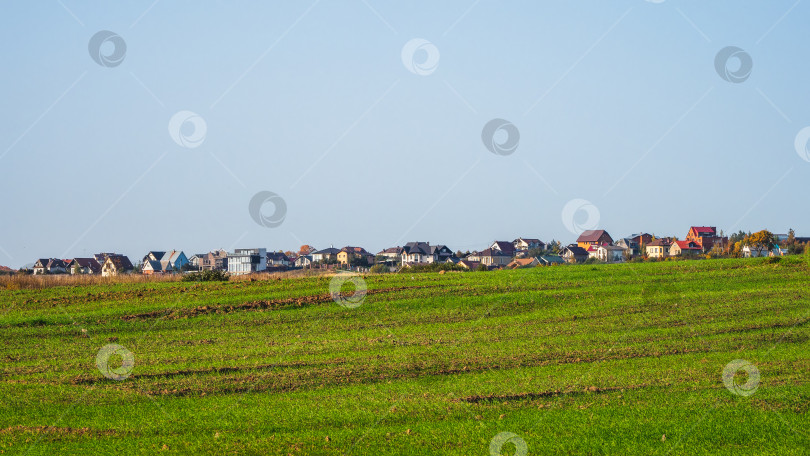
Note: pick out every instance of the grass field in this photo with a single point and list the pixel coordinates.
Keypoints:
(606, 359)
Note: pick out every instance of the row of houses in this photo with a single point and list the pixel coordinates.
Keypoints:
(106, 264)
(521, 252)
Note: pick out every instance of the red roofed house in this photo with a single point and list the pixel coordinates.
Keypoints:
(594, 237)
(706, 237)
(684, 248)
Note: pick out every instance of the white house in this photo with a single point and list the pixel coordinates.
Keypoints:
(245, 261)
(610, 253)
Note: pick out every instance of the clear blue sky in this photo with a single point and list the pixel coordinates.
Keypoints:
(312, 101)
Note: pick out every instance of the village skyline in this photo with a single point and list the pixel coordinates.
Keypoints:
(378, 124)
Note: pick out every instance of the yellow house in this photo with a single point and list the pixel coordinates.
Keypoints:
(346, 255)
(658, 248)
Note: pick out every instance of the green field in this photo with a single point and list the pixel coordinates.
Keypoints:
(604, 359)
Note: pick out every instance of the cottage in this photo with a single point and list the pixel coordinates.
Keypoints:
(84, 266)
(303, 261)
(423, 252)
(523, 263)
(659, 248)
(525, 244)
(685, 248)
(594, 237)
(390, 255)
(325, 256)
(350, 255)
(550, 260)
(50, 266)
(507, 248)
(610, 253)
(491, 257)
(277, 259)
(115, 265)
(574, 254)
(467, 264)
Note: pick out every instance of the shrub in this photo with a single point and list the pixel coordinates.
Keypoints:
(379, 268)
(206, 276)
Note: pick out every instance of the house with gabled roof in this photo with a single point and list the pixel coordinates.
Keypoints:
(303, 261)
(594, 237)
(550, 260)
(84, 266)
(491, 257)
(610, 253)
(467, 264)
(518, 263)
(685, 248)
(149, 267)
(423, 252)
(707, 237)
(277, 259)
(349, 253)
(574, 253)
(391, 254)
(50, 266)
(154, 255)
(524, 244)
(325, 255)
(115, 265)
(504, 246)
(659, 248)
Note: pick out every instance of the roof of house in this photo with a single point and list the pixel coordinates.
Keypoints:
(156, 254)
(660, 242)
(417, 248)
(355, 250)
(575, 250)
(504, 246)
(277, 256)
(469, 264)
(153, 265)
(87, 263)
(551, 259)
(327, 251)
(710, 230)
(173, 256)
(56, 263)
(591, 235)
(491, 253)
(610, 247)
(523, 261)
(685, 245)
(120, 262)
(528, 240)
(395, 250)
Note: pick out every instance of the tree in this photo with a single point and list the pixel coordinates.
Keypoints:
(761, 240)
(791, 239)
(306, 249)
(482, 267)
